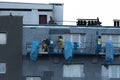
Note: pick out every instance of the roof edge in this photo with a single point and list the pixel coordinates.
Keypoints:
(32, 3)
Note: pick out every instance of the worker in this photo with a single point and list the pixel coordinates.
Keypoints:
(99, 44)
(47, 41)
(61, 43)
(44, 46)
(99, 40)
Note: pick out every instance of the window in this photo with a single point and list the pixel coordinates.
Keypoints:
(33, 78)
(3, 38)
(2, 68)
(80, 38)
(113, 71)
(67, 37)
(42, 19)
(115, 39)
(73, 70)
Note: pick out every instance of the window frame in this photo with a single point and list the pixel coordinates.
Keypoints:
(33, 77)
(79, 74)
(109, 72)
(110, 37)
(5, 42)
(3, 66)
(80, 43)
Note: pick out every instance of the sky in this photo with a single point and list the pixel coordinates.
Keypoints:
(106, 10)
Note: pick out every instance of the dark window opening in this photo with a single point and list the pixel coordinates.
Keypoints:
(42, 19)
(45, 10)
(115, 23)
(15, 9)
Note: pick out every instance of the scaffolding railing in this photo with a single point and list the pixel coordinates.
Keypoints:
(84, 48)
(81, 49)
(116, 46)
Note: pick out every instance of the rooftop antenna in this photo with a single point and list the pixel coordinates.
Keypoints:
(97, 33)
(98, 22)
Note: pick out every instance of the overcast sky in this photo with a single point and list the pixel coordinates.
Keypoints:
(106, 10)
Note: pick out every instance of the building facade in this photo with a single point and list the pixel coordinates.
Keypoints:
(86, 63)
(10, 48)
(34, 13)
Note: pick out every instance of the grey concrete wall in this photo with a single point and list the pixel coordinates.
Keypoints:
(11, 52)
(38, 34)
(50, 67)
(53, 67)
(31, 34)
